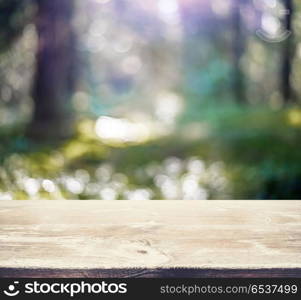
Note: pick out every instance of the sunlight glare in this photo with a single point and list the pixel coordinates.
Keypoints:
(108, 194)
(121, 130)
(5, 197)
(31, 186)
(168, 107)
(74, 186)
(195, 166)
(102, 1)
(169, 11)
(270, 24)
(48, 186)
(139, 194)
(221, 7)
(173, 165)
(131, 64)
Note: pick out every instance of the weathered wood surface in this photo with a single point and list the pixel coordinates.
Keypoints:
(150, 238)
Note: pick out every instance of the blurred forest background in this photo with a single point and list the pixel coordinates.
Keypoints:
(150, 99)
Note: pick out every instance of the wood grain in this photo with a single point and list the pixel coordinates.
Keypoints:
(150, 238)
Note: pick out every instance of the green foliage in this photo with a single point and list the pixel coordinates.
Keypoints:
(174, 73)
(246, 154)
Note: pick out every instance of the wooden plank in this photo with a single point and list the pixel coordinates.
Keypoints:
(150, 238)
(149, 273)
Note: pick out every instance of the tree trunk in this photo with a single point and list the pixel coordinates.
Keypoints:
(288, 54)
(238, 51)
(56, 73)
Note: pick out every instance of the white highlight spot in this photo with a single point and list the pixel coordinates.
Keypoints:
(121, 130)
(48, 186)
(31, 186)
(74, 186)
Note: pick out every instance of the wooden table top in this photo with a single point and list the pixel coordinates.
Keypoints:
(150, 238)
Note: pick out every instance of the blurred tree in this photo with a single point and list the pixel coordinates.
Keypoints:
(238, 51)
(56, 72)
(55, 77)
(288, 53)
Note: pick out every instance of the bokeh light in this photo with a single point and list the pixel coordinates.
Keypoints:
(174, 99)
